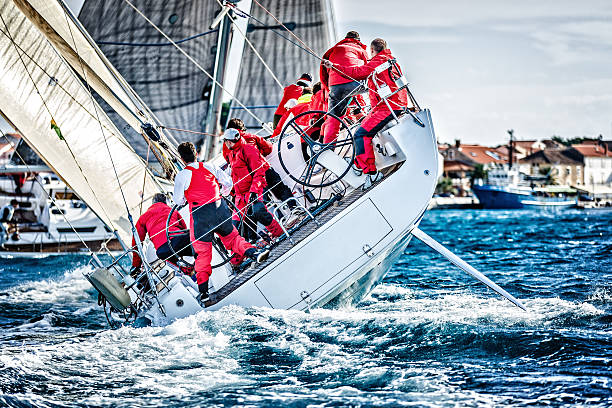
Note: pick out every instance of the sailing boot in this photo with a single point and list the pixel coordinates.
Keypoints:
(203, 288)
(258, 256)
(371, 179)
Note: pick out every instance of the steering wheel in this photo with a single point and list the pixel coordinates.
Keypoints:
(170, 234)
(344, 146)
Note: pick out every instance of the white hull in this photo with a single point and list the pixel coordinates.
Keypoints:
(347, 255)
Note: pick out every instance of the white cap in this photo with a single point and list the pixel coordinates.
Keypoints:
(232, 135)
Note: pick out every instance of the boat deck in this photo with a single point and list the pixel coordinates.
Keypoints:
(299, 233)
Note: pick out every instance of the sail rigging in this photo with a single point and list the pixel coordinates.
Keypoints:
(176, 91)
(40, 89)
(310, 20)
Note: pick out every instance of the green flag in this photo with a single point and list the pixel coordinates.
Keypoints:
(57, 130)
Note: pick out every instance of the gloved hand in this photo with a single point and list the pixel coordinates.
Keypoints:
(253, 197)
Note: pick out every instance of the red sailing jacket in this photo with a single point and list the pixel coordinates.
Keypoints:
(248, 168)
(397, 101)
(292, 91)
(264, 147)
(153, 221)
(348, 52)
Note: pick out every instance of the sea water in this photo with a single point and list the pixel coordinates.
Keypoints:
(427, 336)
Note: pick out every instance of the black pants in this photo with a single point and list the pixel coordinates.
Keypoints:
(339, 97)
(277, 187)
(256, 213)
(211, 218)
(275, 121)
(181, 245)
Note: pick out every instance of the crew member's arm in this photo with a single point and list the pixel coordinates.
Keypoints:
(178, 221)
(264, 146)
(181, 183)
(357, 72)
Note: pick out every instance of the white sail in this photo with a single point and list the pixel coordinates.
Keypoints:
(36, 85)
(57, 25)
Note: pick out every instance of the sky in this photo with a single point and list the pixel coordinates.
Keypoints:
(541, 67)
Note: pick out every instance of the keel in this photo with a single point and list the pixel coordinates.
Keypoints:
(442, 250)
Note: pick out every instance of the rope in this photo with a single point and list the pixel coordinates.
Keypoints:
(310, 50)
(305, 47)
(188, 131)
(193, 37)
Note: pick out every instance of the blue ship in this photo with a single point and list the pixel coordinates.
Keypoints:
(491, 196)
(508, 190)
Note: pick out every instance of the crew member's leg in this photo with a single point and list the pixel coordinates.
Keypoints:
(278, 188)
(339, 98)
(364, 152)
(230, 237)
(200, 230)
(181, 245)
(275, 120)
(262, 215)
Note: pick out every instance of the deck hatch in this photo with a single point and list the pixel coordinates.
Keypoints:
(333, 250)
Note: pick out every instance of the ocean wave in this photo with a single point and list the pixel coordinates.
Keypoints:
(70, 287)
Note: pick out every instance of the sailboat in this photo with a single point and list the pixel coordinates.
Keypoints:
(345, 243)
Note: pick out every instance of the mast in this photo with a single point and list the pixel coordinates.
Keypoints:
(511, 147)
(213, 117)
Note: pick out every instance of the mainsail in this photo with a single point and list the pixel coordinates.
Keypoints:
(310, 20)
(172, 86)
(45, 100)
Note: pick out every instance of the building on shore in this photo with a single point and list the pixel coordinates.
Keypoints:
(563, 167)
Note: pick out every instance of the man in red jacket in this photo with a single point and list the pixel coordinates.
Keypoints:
(248, 175)
(293, 91)
(273, 179)
(349, 52)
(380, 114)
(153, 222)
(201, 185)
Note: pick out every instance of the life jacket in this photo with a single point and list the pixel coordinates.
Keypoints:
(203, 188)
(305, 98)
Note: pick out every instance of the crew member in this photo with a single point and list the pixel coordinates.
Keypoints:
(273, 180)
(201, 185)
(310, 124)
(6, 217)
(300, 105)
(291, 92)
(248, 174)
(380, 114)
(350, 52)
(153, 221)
